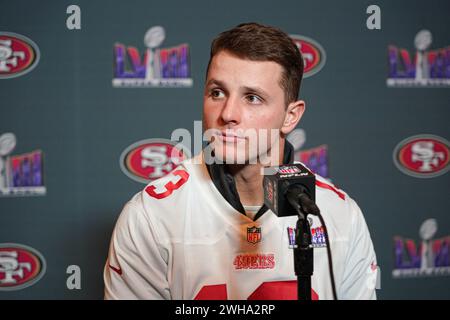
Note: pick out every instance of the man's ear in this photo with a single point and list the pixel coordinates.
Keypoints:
(294, 112)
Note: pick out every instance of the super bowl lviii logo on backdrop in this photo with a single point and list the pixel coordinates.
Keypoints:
(423, 156)
(314, 56)
(316, 158)
(22, 174)
(156, 67)
(427, 68)
(430, 258)
(151, 159)
(20, 266)
(18, 55)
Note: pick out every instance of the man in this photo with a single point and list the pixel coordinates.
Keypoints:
(202, 231)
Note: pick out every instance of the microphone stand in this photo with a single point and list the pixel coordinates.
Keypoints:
(303, 257)
(299, 199)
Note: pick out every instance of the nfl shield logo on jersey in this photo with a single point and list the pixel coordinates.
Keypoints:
(254, 235)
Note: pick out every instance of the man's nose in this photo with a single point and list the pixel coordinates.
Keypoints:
(231, 112)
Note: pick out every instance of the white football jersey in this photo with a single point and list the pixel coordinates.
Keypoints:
(180, 239)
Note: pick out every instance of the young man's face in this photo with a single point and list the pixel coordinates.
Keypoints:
(243, 101)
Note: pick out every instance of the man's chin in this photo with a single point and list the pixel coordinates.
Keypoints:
(230, 157)
(228, 154)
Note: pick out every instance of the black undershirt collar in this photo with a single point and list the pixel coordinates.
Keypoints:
(226, 185)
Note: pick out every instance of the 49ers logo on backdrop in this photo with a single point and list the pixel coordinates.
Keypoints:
(423, 156)
(314, 56)
(20, 266)
(18, 55)
(151, 159)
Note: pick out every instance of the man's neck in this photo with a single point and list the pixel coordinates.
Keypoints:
(249, 180)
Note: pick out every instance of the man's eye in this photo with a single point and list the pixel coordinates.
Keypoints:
(217, 94)
(254, 99)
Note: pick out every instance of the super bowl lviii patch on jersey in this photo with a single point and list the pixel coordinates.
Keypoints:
(318, 239)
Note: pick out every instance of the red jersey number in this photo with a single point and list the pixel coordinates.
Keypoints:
(275, 290)
(180, 176)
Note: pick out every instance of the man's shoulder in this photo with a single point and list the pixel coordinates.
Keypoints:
(335, 201)
(340, 211)
(165, 204)
(177, 184)
(328, 189)
(166, 199)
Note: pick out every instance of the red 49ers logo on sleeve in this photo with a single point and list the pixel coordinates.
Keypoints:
(164, 187)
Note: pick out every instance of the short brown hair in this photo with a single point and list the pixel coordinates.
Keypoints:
(259, 42)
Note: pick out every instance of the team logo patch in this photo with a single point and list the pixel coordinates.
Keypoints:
(254, 261)
(314, 56)
(20, 266)
(318, 239)
(18, 55)
(148, 160)
(291, 237)
(254, 235)
(423, 156)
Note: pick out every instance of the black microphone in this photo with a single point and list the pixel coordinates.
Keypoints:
(290, 190)
(287, 187)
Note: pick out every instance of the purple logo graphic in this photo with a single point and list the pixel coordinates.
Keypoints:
(426, 69)
(22, 174)
(429, 258)
(158, 67)
(315, 159)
